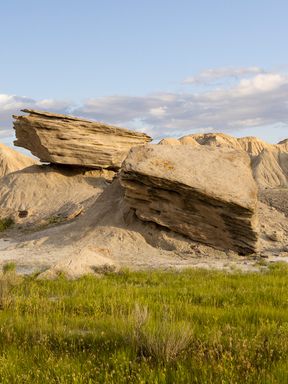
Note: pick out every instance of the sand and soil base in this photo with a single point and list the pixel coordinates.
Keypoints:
(109, 235)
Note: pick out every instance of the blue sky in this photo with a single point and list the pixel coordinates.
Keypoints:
(167, 67)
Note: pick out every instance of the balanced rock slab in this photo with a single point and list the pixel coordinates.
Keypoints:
(205, 193)
(65, 139)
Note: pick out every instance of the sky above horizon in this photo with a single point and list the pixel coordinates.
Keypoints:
(169, 68)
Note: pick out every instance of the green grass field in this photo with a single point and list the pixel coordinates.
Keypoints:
(193, 326)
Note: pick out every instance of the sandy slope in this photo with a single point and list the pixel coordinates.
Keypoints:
(11, 161)
(48, 192)
(108, 234)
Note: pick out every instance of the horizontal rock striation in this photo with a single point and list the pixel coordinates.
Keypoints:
(205, 193)
(64, 139)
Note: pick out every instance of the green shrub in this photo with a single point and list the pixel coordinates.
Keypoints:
(6, 223)
(9, 267)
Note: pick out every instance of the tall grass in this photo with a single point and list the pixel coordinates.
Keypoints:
(193, 326)
(8, 280)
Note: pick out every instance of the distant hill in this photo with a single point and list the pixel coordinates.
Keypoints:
(269, 162)
(11, 160)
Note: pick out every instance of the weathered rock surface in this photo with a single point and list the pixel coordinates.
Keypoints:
(11, 161)
(64, 139)
(205, 193)
(269, 162)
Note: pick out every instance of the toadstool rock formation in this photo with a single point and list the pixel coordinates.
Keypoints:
(205, 193)
(69, 140)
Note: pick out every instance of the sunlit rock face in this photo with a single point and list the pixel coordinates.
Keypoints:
(64, 139)
(205, 193)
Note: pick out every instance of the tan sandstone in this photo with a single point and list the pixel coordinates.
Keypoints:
(205, 193)
(269, 162)
(69, 140)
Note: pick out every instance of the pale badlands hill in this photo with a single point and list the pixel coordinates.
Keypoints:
(269, 162)
(78, 221)
(11, 160)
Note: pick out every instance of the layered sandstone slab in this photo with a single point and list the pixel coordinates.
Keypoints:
(205, 193)
(64, 139)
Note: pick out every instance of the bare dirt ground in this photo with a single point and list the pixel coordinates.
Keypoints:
(108, 236)
(276, 197)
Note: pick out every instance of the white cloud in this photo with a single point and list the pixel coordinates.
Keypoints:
(158, 111)
(256, 122)
(262, 83)
(12, 105)
(256, 99)
(213, 74)
(54, 105)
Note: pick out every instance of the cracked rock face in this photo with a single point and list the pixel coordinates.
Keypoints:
(64, 139)
(205, 193)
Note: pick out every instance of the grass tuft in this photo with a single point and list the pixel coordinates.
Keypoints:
(6, 223)
(9, 267)
(8, 280)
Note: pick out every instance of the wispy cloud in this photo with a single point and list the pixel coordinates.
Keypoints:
(255, 98)
(12, 104)
(214, 74)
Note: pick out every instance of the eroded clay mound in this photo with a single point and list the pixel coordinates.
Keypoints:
(283, 145)
(43, 191)
(270, 169)
(11, 161)
(250, 144)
